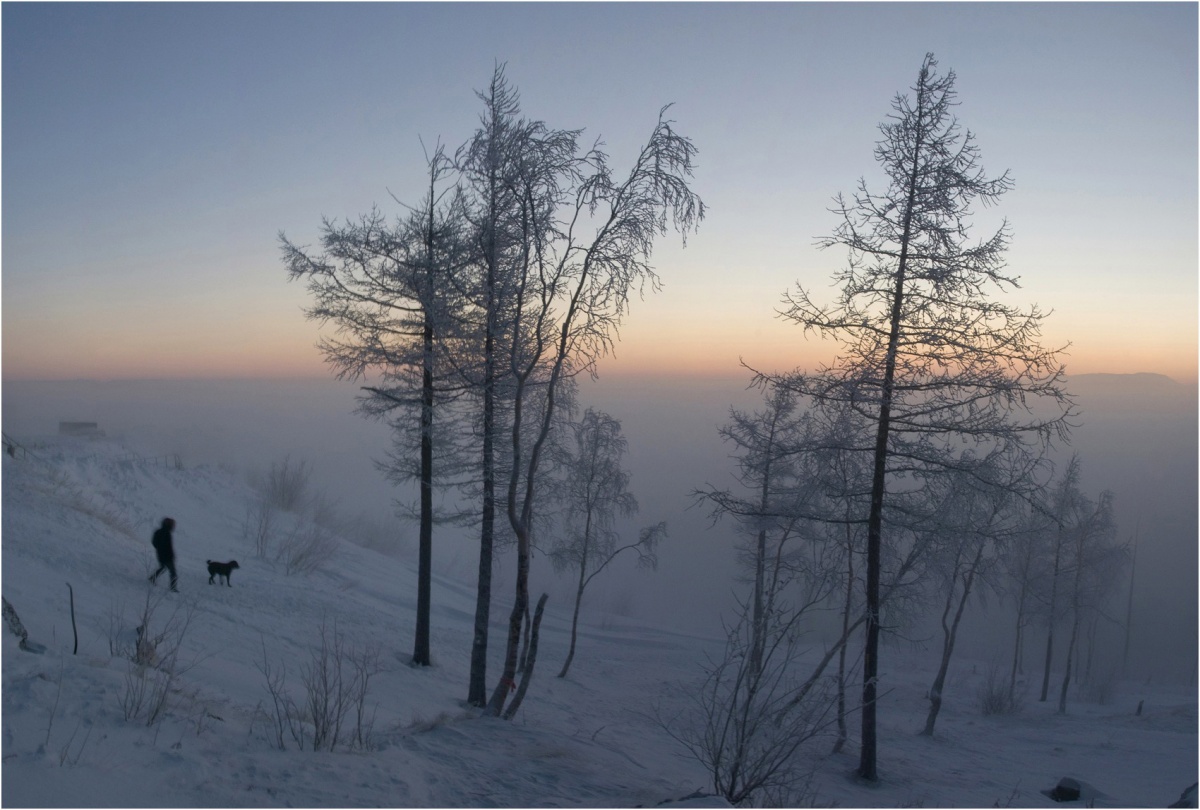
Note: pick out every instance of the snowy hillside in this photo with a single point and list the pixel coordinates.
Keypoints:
(75, 733)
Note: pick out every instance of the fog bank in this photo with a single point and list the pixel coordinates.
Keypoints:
(1137, 437)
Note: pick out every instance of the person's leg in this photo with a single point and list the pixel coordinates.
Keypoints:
(174, 576)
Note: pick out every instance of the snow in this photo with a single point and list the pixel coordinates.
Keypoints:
(81, 511)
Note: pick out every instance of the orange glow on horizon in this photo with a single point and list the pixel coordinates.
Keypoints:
(648, 348)
(642, 364)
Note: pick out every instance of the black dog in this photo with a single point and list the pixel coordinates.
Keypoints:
(221, 569)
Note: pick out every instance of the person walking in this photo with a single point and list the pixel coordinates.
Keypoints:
(165, 549)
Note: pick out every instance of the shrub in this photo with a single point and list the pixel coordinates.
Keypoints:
(995, 695)
(306, 549)
(1101, 688)
(310, 543)
(336, 681)
(286, 484)
(259, 526)
(154, 662)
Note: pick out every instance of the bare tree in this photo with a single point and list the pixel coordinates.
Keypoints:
(1096, 561)
(586, 239)
(1063, 500)
(594, 493)
(752, 722)
(489, 164)
(926, 355)
(1022, 562)
(848, 471)
(389, 291)
(760, 705)
(768, 470)
(975, 518)
(799, 517)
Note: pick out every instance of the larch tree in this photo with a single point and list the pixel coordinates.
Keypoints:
(1096, 561)
(387, 290)
(761, 704)
(1064, 499)
(927, 354)
(497, 213)
(1022, 562)
(582, 241)
(973, 519)
(763, 466)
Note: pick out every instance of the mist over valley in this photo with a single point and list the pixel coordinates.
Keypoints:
(1137, 436)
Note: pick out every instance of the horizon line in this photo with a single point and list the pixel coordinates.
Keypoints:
(621, 374)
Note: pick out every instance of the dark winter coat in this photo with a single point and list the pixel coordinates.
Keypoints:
(162, 543)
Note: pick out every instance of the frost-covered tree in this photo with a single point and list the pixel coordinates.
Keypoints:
(1096, 560)
(974, 517)
(500, 213)
(764, 444)
(927, 354)
(763, 704)
(1063, 499)
(752, 722)
(1023, 562)
(505, 290)
(576, 245)
(796, 542)
(594, 493)
(389, 291)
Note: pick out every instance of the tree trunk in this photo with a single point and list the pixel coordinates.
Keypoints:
(868, 760)
(950, 634)
(515, 619)
(574, 625)
(758, 628)
(1062, 695)
(528, 675)
(1129, 609)
(1012, 680)
(477, 687)
(842, 733)
(421, 640)
(524, 641)
(758, 631)
(425, 552)
(939, 681)
(1049, 654)
(1091, 649)
(1050, 628)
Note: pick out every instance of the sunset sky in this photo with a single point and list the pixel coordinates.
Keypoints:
(152, 153)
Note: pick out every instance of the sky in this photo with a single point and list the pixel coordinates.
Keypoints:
(152, 154)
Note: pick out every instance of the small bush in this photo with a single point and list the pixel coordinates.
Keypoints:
(286, 485)
(334, 709)
(284, 500)
(995, 696)
(1101, 688)
(259, 527)
(154, 662)
(306, 549)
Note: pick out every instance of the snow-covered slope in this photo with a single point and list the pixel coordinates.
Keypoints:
(82, 512)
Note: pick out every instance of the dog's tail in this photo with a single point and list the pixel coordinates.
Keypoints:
(209, 562)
